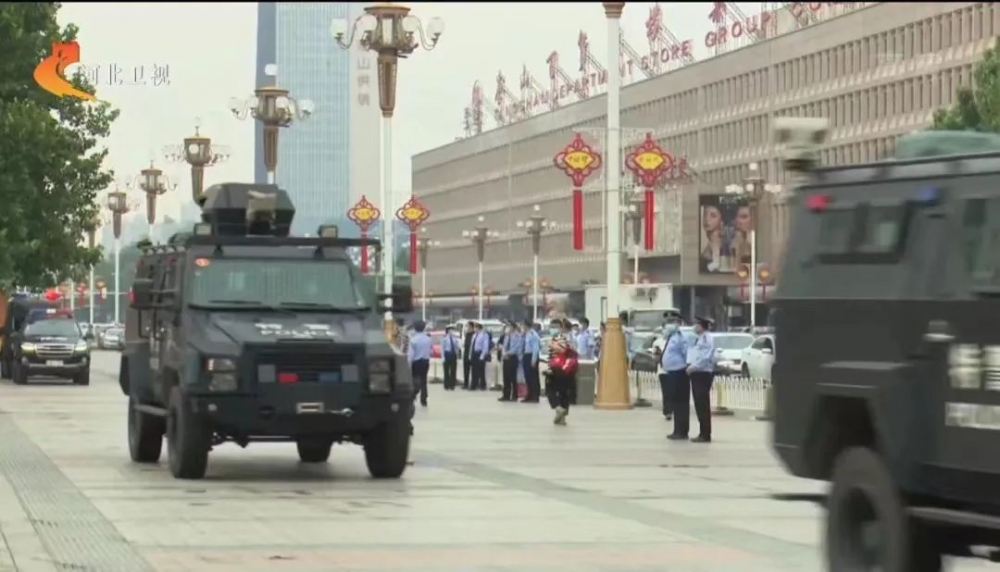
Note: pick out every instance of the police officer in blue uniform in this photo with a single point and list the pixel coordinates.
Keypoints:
(529, 361)
(674, 382)
(449, 354)
(419, 355)
(513, 347)
(701, 371)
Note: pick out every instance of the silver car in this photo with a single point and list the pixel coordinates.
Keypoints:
(113, 339)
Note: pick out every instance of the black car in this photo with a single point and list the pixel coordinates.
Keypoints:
(239, 332)
(51, 348)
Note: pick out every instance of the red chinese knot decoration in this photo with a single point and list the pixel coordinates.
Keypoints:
(648, 162)
(413, 214)
(365, 215)
(578, 160)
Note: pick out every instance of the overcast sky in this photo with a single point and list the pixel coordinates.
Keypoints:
(210, 51)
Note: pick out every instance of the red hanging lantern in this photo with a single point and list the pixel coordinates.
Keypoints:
(365, 215)
(578, 160)
(648, 162)
(413, 214)
(52, 295)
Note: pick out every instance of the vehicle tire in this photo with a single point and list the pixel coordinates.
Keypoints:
(314, 449)
(188, 439)
(82, 378)
(19, 373)
(745, 371)
(387, 448)
(862, 500)
(145, 434)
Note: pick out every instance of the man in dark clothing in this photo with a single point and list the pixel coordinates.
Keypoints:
(467, 355)
(449, 353)
(512, 347)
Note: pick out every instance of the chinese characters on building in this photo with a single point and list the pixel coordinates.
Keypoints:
(113, 74)
(364, 80)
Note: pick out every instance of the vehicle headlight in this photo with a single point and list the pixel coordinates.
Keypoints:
(380, 376)
(28, 348)
(81, 346)
(216, 365)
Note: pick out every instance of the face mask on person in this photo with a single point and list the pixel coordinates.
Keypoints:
(669, 328)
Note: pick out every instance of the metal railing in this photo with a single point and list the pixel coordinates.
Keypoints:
(729, 391)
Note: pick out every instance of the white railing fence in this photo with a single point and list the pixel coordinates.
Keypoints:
(729, 391)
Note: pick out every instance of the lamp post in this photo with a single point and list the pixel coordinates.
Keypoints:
(154, 183)
(423, 246)
(535, 226)
(274, 108)
(199, 152)
(613, 385)
(752, 191)
(95, 223)
(392, 33)
(479, 236)
(120, 204)
(635, 214)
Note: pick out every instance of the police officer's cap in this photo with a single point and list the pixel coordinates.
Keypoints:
(705, 322)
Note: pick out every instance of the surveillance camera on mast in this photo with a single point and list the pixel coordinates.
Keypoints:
(801, 139)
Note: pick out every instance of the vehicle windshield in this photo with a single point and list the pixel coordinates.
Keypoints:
(646, 319)
(114, 332)
(60, 328)
(732, 341)
(298, 284)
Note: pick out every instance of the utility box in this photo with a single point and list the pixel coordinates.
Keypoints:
(586, 383)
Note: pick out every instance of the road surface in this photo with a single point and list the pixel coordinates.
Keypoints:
(495, 486)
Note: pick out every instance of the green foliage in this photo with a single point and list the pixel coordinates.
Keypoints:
(976, 108)
(50, 163)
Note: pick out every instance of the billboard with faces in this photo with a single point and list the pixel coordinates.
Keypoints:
(724, 233)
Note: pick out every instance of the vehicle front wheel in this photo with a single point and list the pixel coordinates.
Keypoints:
(188, 439)
(145, 434)
(19, 373)
(867, 525)
(314, 449)
(387, 448)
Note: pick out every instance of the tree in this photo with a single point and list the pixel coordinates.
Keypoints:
(976, 108)
(50, 163)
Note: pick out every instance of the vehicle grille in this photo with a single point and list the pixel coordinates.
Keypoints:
(308, 365)
(54, 351)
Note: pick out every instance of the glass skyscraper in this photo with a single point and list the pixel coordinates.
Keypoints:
(313, 155)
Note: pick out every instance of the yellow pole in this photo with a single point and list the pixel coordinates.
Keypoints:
(720, 395)
(613, 391)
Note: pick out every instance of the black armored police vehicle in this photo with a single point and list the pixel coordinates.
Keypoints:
(240, 332)
(888, 309)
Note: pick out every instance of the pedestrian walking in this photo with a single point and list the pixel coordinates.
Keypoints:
(560, 382)
(418, 354)
(529, 362)
(450, 349)
(513, 347)
(480, 356)
(467, 354)
(701, 371)
(674, 383)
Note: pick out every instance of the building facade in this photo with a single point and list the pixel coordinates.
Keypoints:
(316, 157)
(876, 73)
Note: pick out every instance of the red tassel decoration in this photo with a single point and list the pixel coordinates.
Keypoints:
(364, 254)
(577, 219)
(413, 252)
(650, 216)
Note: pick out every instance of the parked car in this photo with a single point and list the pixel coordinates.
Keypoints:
(758, 359)
(729, 349)
(113, 339)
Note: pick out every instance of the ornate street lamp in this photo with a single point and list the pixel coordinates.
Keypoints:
(479, 236)
(635, 215)
(392, 33)
(274, 108)
(199, 152)
(535, 226)
(751, 192)
(154, 183)
(120, 204)
(423, 246)
(95, 224)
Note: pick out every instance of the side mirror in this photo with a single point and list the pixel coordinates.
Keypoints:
(767, 351)
(401, 300)
(142, 294)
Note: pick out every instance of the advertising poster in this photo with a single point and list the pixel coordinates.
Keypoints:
(724, 233)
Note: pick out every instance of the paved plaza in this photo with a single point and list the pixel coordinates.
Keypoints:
(495, 486)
